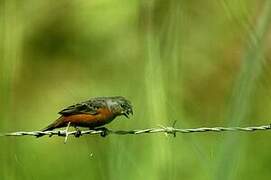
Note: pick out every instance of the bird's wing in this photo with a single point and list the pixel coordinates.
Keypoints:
(88, 107)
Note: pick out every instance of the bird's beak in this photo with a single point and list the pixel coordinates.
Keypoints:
(127, 112)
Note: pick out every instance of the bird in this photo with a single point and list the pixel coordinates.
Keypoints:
(93, 113)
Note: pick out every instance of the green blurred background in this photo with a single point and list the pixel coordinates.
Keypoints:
(202, 63)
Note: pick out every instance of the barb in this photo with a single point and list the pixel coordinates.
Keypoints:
(67, 133)
(161, 129)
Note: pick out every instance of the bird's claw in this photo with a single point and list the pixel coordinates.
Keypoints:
(78, 132)
(104, 132)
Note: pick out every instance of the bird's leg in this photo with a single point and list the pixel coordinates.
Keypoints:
(104, 130)
(78, 132)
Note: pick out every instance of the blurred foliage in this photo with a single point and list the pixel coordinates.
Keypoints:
(203, 63)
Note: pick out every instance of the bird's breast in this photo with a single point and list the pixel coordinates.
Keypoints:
(103, 116)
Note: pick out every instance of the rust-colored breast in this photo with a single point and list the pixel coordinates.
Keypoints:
(103, 116)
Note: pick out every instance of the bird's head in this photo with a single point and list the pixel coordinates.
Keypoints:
(120, 106)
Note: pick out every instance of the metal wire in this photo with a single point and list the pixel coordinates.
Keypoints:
(168, 130)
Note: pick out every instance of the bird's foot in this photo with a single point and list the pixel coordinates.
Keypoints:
(104, 130)
(78, 132)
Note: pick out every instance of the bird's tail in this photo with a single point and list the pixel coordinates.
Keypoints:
(57, 123)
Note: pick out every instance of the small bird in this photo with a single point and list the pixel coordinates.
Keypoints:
(93, 113)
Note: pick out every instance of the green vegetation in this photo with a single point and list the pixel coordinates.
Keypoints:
(202, 63)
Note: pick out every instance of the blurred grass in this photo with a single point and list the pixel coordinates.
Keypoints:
(10, 65)
(245, 85)
(202, 63)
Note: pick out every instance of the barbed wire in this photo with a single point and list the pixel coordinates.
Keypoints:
(161, 129)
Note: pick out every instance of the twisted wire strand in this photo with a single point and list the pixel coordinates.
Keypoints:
(167, 130)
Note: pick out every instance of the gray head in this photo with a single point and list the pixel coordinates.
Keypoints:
(119, 106)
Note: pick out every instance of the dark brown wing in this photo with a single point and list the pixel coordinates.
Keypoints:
(88, 107)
